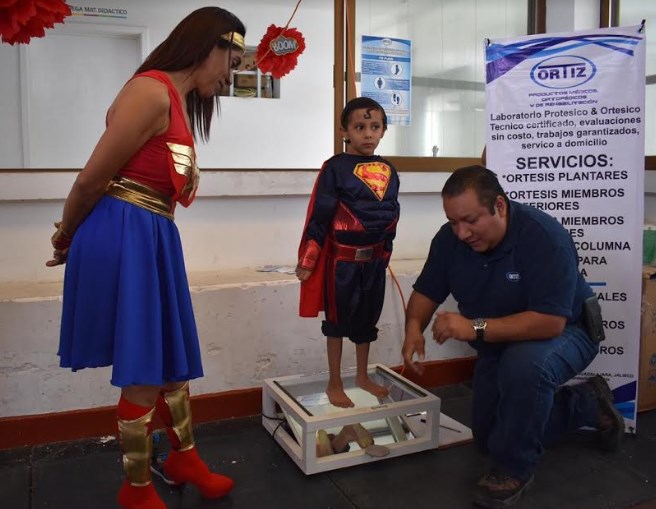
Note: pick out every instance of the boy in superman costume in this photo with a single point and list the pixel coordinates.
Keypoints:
(347, 243)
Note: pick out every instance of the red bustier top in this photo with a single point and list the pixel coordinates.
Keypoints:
(167, 162)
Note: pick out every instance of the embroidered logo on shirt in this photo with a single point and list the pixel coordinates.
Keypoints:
(376, 176)
(513, 277)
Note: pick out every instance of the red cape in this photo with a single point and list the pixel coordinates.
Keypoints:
(312, 290)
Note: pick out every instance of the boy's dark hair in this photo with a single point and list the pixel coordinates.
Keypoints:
(478, 178)
(360, 103)
(186, 47)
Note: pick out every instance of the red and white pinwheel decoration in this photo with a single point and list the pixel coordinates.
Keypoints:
(20, 20)
(278, 50)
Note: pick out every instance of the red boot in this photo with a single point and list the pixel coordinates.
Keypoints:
(182, 467)
(134, 425)
(183, 464)
(139, 497)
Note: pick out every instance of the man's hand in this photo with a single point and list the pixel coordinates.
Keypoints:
(452, 325)
(414, 344)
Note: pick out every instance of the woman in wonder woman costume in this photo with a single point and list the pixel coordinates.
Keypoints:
(126, 296)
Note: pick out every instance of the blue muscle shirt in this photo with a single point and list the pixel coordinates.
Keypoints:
(534, 268)
(375, 215)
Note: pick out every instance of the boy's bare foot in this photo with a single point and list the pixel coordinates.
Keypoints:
(338, 397)
(367, 385)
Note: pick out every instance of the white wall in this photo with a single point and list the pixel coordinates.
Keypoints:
(248, 324)
(249, 327)
(295, 131)
(239, 219)
(567, 15)
(249, 330)
(10, 111)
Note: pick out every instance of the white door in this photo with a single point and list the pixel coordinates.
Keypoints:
(70, 80)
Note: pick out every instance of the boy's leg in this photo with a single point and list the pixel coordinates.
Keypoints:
(335, 389)
(368, 299)
(362, 377)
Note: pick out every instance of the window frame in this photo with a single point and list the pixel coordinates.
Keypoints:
(344, 20)
(345, 87)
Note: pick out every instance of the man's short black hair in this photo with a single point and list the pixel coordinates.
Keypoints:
(478, 178)
(360, 103)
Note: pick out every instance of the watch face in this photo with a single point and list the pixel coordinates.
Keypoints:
(479, 328)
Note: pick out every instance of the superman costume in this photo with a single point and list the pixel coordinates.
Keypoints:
(347, 242)
(126, 296)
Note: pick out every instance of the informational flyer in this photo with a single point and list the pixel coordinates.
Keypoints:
(386, 75)
(565, 133)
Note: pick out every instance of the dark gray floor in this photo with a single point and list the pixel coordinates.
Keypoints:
(572, 475)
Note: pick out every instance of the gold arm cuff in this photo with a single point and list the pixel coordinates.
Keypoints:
(180, 408)
(235, 38)
(137, 445)
(140, 195)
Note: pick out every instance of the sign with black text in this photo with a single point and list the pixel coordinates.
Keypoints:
(565, 134)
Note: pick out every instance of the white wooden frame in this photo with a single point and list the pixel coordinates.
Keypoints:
(304, 454)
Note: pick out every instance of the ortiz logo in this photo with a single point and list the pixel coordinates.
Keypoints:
(376, 176)
(564, 71)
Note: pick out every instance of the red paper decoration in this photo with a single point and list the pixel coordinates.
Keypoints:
(20, 20)
(278, 50)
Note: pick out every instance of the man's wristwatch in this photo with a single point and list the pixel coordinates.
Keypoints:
(479, 325)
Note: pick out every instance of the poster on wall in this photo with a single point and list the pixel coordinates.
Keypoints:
(565, 133)
(386, 74)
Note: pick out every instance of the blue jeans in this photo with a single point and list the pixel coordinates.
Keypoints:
(518, 404)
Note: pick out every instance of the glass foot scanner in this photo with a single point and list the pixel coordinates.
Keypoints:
(320, 437)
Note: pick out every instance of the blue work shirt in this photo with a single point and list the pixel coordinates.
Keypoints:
(533, 268)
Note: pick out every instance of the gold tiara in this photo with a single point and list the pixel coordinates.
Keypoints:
(235, 38)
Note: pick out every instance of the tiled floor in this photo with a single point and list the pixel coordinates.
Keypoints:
(572, 475)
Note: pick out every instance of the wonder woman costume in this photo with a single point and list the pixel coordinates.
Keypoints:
(127, 304)
(126, 296)
(347, 242)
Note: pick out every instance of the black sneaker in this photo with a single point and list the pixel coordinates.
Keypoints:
(157, 467)
(611, 422)
(158, 459)
(497, 491)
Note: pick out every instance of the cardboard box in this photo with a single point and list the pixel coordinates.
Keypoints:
(647, 373)
(245, 80)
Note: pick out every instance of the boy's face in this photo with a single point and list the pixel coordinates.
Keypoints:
(364, 131)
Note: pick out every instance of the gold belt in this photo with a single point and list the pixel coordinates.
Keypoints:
(140, 195)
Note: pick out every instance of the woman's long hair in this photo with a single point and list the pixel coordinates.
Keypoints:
(186, 47)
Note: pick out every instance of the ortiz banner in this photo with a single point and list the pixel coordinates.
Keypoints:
(565, 133)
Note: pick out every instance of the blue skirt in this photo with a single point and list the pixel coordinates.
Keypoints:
(126, 299)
